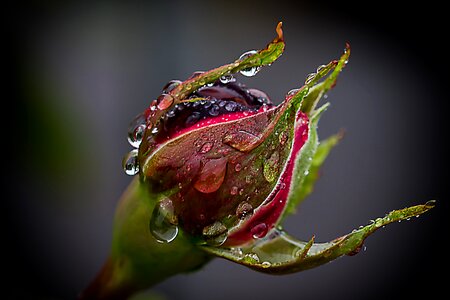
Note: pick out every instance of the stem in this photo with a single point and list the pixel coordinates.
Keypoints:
(137, 259)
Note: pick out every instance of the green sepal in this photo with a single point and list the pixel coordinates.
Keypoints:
(279, 253)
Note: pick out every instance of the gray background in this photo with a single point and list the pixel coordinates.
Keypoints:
(83, 71)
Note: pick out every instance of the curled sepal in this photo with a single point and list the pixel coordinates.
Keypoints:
(259, 58)
(279, 253)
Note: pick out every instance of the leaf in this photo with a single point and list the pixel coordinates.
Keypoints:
(279, 253)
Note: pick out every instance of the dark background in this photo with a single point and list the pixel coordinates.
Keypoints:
(80, 72)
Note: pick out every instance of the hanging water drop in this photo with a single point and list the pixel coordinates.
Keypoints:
(227, 78)
(130, 163)
(252, 71)
(163, 223)
(136, 130)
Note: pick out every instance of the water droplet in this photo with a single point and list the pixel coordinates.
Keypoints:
(252, 70)
(244, 210)
(310, 78)
(282, 138)
(164, 101)
(292, 92)
(237, 167)
(135, 135)
(163, 223)
(155, 130)
(270, 170)
(248, 178)
(430, 203)
(237, 252)
(234, 190)
(130, 163)
(206, 147)
(266, 264)
(227, 78)
(251, 258)
(259, 231)
(231, 106)
(320, 68)
(212, 175)
(215, 234)
(170, 86)
(214, 110)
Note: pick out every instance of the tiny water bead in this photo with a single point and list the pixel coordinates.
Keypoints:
(163, 223)
(130, 163)
(170, 86)
(310, 78)
(164, 101)
(252, 71)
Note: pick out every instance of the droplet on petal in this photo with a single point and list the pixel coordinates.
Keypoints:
(212, 175)
(259, 231)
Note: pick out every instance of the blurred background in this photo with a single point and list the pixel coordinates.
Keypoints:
(81, 71)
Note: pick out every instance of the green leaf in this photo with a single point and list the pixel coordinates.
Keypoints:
(279, 253)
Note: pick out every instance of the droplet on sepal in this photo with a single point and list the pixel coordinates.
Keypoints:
(130, 163)
(252, 71)
(164, 101)
(227, 78)
(215, 234)
(170, 86)
(163, 223)
(310, 78)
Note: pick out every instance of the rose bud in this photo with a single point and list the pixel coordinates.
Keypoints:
(217, 167)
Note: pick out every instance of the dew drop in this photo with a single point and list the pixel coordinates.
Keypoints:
(164, 101)
(214, 110)
(237, 167)
(292, 92)
(130, 163)
(251, 257)
(270, 170)
(252, 71)
(135, 135)
(227, 78)
(244, 210)
(170, 86)
(211, 176)
(266, 264)
(259, 231)
(310, 78)
(163, 223)
(320, 68)
(206, 147)
(215, 234)
(237, 252)
(234, 190)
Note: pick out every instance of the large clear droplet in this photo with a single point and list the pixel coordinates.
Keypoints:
(215, 234)
(249, 72)
(136, 130)
(130, 163)
(163, 223)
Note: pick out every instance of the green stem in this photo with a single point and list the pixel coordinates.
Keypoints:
(138, 260)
